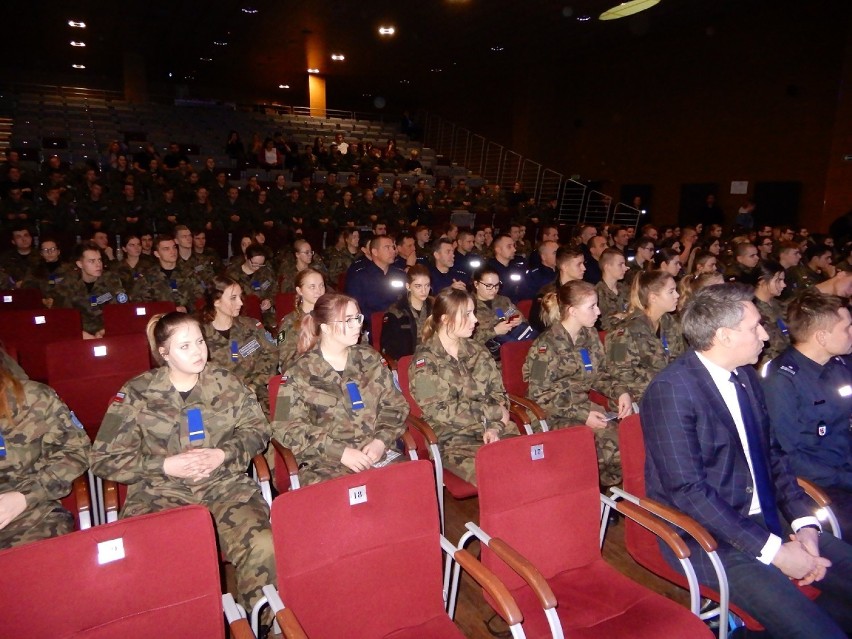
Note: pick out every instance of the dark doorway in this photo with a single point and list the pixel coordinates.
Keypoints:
(692, 200)
(644, 191)
(777, 202)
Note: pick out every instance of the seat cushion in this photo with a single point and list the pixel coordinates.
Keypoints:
(440, 627)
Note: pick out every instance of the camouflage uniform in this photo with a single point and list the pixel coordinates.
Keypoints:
(129, 274)
(7, 282)
(147, 422)
(559, 381)
(611, 304)
(46, 281)
(773, 321)
(201, 266)
(798, 278)
(182, 288)
(287, 273)
(72, 292)
(17, 265)
(46, 450)
(402, 327)
(288, 338)
(315, 417)
(260, 283)
(635, 354)
(339, 261)
(460, 398)
(486, 316)
(248, 352)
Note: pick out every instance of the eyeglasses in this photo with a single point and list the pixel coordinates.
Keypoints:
(354, 321)
(255, 264)
(49, 250)
(489, 287)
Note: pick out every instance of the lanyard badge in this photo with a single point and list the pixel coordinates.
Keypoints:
(235, 350)
(665, 342)
(354, 396)
(587, 359)
(195, 423)
(782, 326)
(2, 447)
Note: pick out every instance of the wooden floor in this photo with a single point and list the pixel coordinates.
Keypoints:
(472, 612)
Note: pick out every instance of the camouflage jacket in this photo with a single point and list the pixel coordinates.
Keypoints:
(182, 288)
(46, 281)
(148, 421)
(287, 273)
(799, 278)
(129, 274)
(17, 265)
(339, 261)
(46, 448)
(486, 316)
(202, 266)
(260, 283)
(72, 292)
(288, 338)
(613, 305)
(635, 353)
(559, 378)
(317, 416)
(773, 321)
(460, 398)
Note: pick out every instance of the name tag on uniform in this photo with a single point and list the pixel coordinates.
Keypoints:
(93, 301)
(235, 350)
(2, 447)
(822, 429)
(587, 359)
(199, 268)
(103, 299)
(195, 422)
(265, 285)
(249, 348)
(354, 396)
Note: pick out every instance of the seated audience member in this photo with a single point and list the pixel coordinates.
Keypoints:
(466, 258)
(649, 337)
(132, 265)
(711, 454)
(455, 382)
(49, 271)
(498, 320)
(310, 286)
(167, 281)
(44, 450)
(341, 256)
(544, 273)
(237, 343)
(816, 267)
(746, 257)
(705, 262)
(668, 261)
(612, 293)
(768, 282)
(337, 408)
(570, 265)
(642, 260)
(300, 257)
(20, 259)
(403, 323)
(256, 278)
(442, 273)
(691, 284)
(377, 283)
(566, 362)
(809, 396)
(593, 250)
(510, 269)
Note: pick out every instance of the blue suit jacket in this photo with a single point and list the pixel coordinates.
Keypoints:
(695, 461)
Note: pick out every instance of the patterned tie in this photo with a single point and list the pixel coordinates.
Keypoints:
(762, 479)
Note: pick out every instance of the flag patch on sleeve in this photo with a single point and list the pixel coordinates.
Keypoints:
(118, 399)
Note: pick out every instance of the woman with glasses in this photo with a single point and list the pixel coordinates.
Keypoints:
(294, 261)
(405, 318)
(256, 278)
(768, 281)
(649, 337)
(456, 384)
(235, 342)
(310, 286)
(337, 408)
(496, 316)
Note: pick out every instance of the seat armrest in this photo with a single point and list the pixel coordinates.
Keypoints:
(423, 428)
(290, 626)
(503, 600)
(656, 525)
(674, 517)
(237, 623)
(815, 492)
(111, 505)
(261, 468)
(409, 445)
(529, 573)
(529, 405)
(80, 489)
(286, 455)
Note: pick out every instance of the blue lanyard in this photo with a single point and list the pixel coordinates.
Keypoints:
(196, 425)
(782, 326)
(235, 350)
(587, 359)
(665, 342)
(2, 447)
(354, 396)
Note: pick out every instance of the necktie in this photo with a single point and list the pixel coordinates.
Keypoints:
(762, 479)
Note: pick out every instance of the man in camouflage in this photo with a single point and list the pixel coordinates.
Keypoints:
(168, 281)
(89, 289)
(201, 267)
(613, 295)
(148, 421)
(341, 256)
(256, 277)
(49, 271)
(318, 417)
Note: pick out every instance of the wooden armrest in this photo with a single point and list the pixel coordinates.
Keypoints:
(656, 525)
(528, 405)
(80, 488)
(111, 496)
(815, 492)
(517, 562)
(241, 629)
(261, 468)
(287, 457)
(682, 521)
(408, 442)
(423, 428)
(506, 606)
(290, 626)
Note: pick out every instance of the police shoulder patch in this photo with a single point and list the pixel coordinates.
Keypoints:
(789, 369)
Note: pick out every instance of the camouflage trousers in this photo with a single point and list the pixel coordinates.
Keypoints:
(609, 457)
(42, 522)
(243, 532)
(316, 469)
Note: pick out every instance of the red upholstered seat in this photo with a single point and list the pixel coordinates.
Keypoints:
(285, 303)
(133, 317)
(20, 299)
(29, 331)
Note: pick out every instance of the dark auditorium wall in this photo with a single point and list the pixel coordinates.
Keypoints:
(750, 95)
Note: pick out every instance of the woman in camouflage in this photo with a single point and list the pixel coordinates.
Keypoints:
(310, 286)
(43, 449)
(456, 383)
(768, 285)
(337, 408)
(185, 433)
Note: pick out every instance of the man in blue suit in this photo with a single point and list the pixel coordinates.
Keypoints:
(709, 454)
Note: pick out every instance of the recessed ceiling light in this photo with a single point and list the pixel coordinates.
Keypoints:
(79, 66)
(74, 43)
(313, 70)
(249, 10)
(405, 81)
(76, 25)
(338, 56)
(436, 70)
(220, 43)
(584, 18)
(497, 48)
(283, 86)
(386, 30)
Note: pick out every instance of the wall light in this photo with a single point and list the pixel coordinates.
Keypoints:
(283, 86)
(74, 43)
(386, 30)
(76, 25)
(79, 66)
(338, 57)
(313, 70)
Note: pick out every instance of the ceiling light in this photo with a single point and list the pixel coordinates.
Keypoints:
(313, 70)
(249, 10)
(283, 86)
(74, 43)
(206, 59)
(497, 48)
(79, 66)
(76, 25)
(627, 9)
(338, 56)
(584, 18)
(386, 30)
(436, 70)
(405, 81)
(220, 43)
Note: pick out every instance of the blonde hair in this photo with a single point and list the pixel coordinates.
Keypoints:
(451, 303)
(160, 329)
(644, 284)
(691, 284)
(555, 304)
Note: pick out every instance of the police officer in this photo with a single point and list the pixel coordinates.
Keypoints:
(185, 433)
(167, 281)
(255, 277)
(467, 259)
(442, 273)
(90, 289)
(566, 362)
(337, 408)
(544, 272)
(237, 343)
(43, 449)
(377, 284)
(456, 383)
(510, 269)
(808, 392)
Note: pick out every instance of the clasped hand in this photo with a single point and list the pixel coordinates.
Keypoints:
(194, 463)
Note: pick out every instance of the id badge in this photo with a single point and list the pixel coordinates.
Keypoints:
(587, 359)
(235, 351)
(195, 423)
(354, 396)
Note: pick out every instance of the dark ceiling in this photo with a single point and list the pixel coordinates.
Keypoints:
(461, 42)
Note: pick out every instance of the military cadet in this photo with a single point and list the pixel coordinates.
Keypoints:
(442, 273)
(377, 284)
(510, 269)
(237, 343)
(566, 362)
(295, 260)
(17, 261)
(496, 316)
(668, 261)
(43, 449)
(200, 267)
(768, 282)
(403, 323)
(455, 382)
(310, 286)
(691, 284)
(185, 433)
(570, 266)
(134, 262)
(340, 257)
(204, 252)
(815, 268)
(746, 257)
(642, 260)
(49, 271)
(89, 289)
(645, 341)
(808, 392)
(256, 278)
(337, 408)
(167, 281)
(612, 293)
